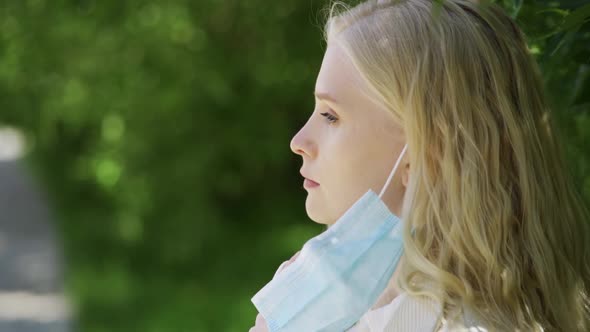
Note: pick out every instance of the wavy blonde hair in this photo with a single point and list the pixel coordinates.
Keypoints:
(499, 225)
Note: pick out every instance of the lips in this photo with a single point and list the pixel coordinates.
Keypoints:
(307, 182)
(307, 178)
(312, 182)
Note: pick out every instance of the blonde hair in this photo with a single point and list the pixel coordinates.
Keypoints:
(499, 224)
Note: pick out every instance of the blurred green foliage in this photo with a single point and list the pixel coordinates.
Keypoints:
(161, 131)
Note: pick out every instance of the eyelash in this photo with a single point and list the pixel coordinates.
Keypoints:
(330, 117)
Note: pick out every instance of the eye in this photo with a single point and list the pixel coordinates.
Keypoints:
(330, 117)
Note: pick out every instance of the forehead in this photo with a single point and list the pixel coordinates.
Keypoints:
(339, 78)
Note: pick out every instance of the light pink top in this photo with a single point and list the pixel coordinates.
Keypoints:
(411, 314)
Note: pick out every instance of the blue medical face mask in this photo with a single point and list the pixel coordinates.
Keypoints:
(339, 274)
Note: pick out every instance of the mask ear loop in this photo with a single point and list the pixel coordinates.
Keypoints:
(399, 159)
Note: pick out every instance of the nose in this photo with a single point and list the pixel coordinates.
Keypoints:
(302, 144)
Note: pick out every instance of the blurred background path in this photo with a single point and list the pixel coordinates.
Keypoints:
(31, 284)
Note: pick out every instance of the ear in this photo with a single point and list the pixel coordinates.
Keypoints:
(406, 174)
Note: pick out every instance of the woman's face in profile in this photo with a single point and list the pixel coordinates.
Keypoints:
(349, 144)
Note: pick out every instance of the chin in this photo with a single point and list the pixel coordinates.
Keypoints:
(318, 218)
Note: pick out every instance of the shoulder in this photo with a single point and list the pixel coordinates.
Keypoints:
(413, 314)
(404, 313)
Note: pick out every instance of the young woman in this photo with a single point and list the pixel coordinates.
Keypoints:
(501, 238)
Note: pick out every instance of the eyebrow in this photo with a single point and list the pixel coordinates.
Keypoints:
(325, 96)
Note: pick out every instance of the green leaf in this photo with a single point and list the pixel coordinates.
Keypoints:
(568, 36)
(516, 5)
(576, 18)
(559, 11)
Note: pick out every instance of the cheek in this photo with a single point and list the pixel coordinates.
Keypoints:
(353, 160)
(350, 170)
(338, 165)
(364, 164)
